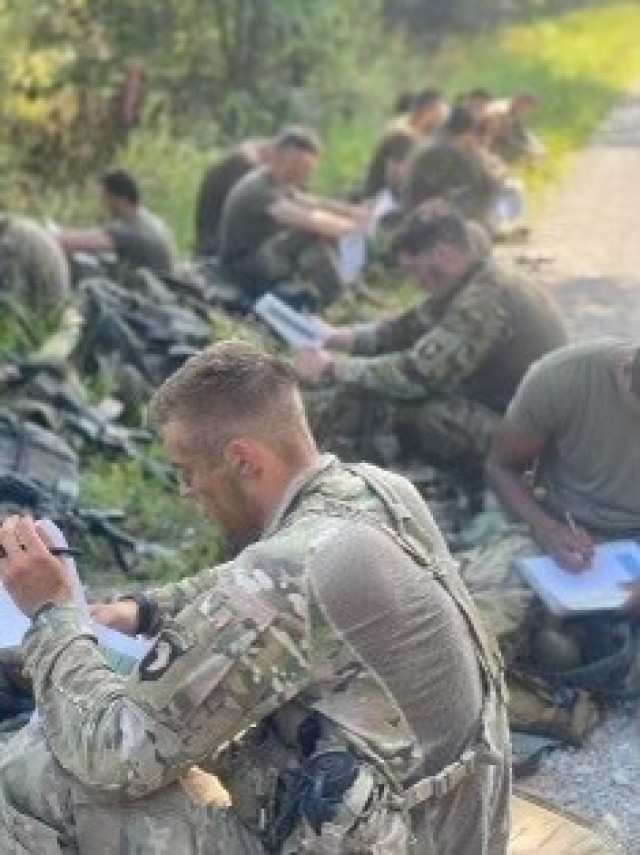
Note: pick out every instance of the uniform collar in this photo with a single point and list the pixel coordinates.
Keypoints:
(295, 489)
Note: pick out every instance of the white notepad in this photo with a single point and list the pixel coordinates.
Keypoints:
(352, 256)
(601, 588)
(121, 651)
(296, 329)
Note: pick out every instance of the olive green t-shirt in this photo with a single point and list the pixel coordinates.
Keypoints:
(591, 468)
(143, 241)
(246, 221)
(394, 145)
(218, 181)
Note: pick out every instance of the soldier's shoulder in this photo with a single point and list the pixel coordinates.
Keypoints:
(494, 278)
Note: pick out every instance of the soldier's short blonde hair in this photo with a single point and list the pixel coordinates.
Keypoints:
(234, 388)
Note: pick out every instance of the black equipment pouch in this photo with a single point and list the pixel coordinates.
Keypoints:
(313, 791)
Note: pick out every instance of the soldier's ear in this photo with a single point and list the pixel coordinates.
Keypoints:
(243, 458)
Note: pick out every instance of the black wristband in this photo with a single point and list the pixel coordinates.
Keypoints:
(147, 612)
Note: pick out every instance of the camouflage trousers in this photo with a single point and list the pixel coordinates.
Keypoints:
(299, 257)
(505, 601)
(450, 430)
(44, 811)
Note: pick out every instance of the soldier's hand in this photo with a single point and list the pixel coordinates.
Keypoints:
(572, 548)
(123, 615)
(312, 363)
(32, 576)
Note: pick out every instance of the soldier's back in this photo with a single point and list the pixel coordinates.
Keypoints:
(33, 265)
(216, 185)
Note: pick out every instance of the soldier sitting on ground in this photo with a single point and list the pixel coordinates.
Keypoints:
(274, 232)
(303, 671)
(137, 237)
(425, 117)
(456, 169)
(575, 422)
(434, 380)
(217, 183)
(509, 137)
(476, 101)
(33, 268)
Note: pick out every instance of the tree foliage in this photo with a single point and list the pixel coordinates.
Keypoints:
(81, 73)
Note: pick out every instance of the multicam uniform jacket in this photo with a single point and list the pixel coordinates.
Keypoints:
(333, 612)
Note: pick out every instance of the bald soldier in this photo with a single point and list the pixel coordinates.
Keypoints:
(434, 380)
(333, 672)
(425, 116)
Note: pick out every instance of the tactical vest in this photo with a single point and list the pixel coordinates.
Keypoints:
(353, 712)
(359, 715)
(357, 710)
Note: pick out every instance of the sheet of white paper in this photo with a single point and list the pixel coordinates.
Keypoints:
(13, 624)
(352, 255)
(122, 651)
(600, 588)
(384, 204)
(296, 329)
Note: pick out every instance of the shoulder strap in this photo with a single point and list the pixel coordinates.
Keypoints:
(413, 539)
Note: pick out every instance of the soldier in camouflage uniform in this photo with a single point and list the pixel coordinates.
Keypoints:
(457, 169)
(33, 268)
(434, 380)
(333, 674)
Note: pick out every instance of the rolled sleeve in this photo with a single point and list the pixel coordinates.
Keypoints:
(230, 659)
(442, 359)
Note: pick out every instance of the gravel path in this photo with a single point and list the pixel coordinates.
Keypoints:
(591, 227)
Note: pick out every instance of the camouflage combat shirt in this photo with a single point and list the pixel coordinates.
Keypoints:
(479, 342)
(324, 599)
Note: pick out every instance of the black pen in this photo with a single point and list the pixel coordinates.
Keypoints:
(58, 551)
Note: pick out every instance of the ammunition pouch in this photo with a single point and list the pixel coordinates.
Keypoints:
(314, 792)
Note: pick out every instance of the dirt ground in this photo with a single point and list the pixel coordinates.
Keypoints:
(590, 227)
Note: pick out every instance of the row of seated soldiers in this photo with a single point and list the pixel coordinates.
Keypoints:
(255, 214)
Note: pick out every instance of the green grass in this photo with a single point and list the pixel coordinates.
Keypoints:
(152, 512)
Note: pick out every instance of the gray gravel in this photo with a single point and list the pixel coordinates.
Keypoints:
(591, 227)
(601, 780)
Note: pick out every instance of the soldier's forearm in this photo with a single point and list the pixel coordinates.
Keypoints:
(170, 599)
(389, 376)
(208, 676)
(515, 495)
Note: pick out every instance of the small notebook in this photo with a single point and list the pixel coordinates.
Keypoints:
(121, 651)
(296, 329)
(601, 588)
(352, 256)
